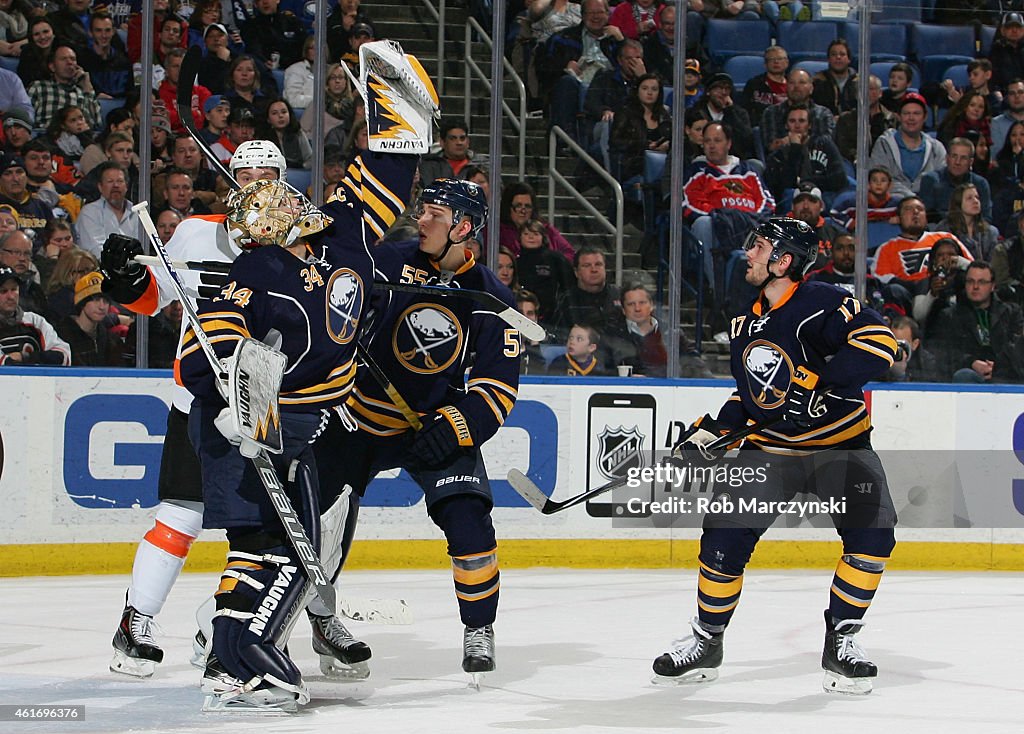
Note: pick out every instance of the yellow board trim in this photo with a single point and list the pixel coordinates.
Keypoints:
(208, 557)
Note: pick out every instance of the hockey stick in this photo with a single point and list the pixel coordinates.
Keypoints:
(491, 303)
(530, 492)
(264, 467)
(187, 74)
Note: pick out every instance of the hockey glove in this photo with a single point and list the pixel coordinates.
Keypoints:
(691, 448)
(225, 423)
(116, 256)
(444, 434)
(805, 403)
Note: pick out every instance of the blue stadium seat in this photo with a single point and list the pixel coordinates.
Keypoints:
(811, 66)
(807, 40)
(958, 74)
(106, 105)
(880, 233)
(888, 40)
(935, 68)
(725, 38)
(988, 34)
(278, 75)
(300, 179)
(939, 47)
(743, 68)
(9, 62)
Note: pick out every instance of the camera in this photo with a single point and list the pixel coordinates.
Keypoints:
(941, 272)
(903, 350)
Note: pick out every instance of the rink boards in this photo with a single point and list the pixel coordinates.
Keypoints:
(80, 454)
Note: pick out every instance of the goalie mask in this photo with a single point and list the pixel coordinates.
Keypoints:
(466, 200)
(272, 213)
(258, 154)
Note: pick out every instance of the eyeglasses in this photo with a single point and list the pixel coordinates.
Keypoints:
(23, 254)
(522, 207)
(970, 281)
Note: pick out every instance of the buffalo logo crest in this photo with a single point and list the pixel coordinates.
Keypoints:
(427, 338)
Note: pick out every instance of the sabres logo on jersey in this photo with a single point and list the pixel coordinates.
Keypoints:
(344, 305)
(427, 338)
(769, 371)
(621, 449)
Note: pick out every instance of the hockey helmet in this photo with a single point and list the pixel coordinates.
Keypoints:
(272, 213)
(464, 198)
(258, 154)
(788, 236)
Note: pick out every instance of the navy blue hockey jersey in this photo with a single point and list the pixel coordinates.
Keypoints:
(823, 328)
(425, 344)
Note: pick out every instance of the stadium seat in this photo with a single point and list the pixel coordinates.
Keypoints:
(300, 179)
(879, 233)
(743, 68)
(936, 68)
(278, 75)
(811, 66)
(988, 34)
(939, 47)
(888, 40)
(9, 62)
(807, 40)
(726, 38)
(106, 105)
(958, 74)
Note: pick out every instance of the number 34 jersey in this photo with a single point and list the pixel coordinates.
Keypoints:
(820, 327)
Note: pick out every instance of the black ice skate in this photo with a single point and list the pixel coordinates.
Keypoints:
(847, 669)
(341, 654)
(216, 680)
(692, 659)
(135, 651)
(478, 652)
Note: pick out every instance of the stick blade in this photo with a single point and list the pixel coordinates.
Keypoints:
(526, 489)
(530, 329)
(376, 611)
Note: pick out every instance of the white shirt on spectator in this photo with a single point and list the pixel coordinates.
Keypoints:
(98, 219)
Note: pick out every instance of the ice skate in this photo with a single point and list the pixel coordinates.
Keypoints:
(847, 669)
(215, 679)
(341, 654)
(692, 659)
(135, 651)
(265, 699)
(478, 652)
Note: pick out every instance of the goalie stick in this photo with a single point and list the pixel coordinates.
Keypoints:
(264, 467)
(530, 492)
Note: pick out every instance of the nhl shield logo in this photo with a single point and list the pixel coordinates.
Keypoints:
(344, 305)
(620, 449)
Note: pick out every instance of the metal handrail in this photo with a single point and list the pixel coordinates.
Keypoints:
(438, 14)
(554, 176)
(470, 66)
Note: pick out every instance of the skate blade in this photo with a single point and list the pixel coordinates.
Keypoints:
(216, 685)
(476, 680)
(198, 659)
(135, 667)
(333, 668)
(249, 703)
(698, 675)
(834, 683)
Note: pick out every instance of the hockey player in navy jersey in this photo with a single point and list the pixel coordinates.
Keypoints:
(425, 345)
(801, 352)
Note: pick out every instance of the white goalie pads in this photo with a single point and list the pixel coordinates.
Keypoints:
(401, 102)
(255, 372)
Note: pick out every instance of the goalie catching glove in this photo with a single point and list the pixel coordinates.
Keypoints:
(805, 401)
(692, 445)
(444, 434)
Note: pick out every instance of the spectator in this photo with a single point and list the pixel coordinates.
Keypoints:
(216, 111)
(478, 175)
(111, 213)
(34, 54)
(532, 362)
(106, 59)
(356, 141)
(937, 187)
(33, 214)
(608, 92)
(906, 152)
(916, 363)
(161, 10)
(693, 143)
(635, 18)
(571, 60)
(741, 9)
(692, 87)
(904, 257)
(1013, 113)
(209, 188)
(117, 147)
(57, 239)
(17, 130)
(839, 271)
(168, 92)
(92, 344)
(206, 14)
(217, 59)
(544, 273)
(965, 220)
(166, 222)
(119, 120)
(769, 88)
(16, 254)
(980, 336)
(281, 127)
(70, 23)
(69, 85)
(454, 156)
(13, 97)
(179, 196)
(943, 286)
(1007, 55)
(339, 104)
(808, 207)
(581, 354)
(717, 106)
(881, 203)
(879, 118)
(340, 23)
(172, 29)
(659, 47)
(507, 269)
(798, 91)
(298, 78)
(334, 170)
(241, 127)
(362, 32)
(591, 300)
(518, 206)
(901, 75)
(57, 197)
(70, 135)
(243, 86)
(970, 113)
(71, 265)
(160, 137)
(642, 125)
(979, 77)
(271, 31)
(805, 159)
(14, 15)
(26, 337)
(835, 87)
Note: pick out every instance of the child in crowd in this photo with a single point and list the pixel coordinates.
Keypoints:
(691, 82)
(581, 354)
(881, 203)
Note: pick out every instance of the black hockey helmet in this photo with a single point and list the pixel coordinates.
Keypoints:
(788, 236)
(464, 198)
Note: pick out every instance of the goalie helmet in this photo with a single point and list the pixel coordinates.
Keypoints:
(258, 154)
(464, 198)
(272, 213)
(788, 236)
